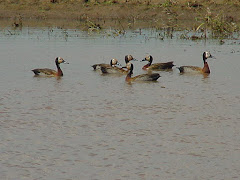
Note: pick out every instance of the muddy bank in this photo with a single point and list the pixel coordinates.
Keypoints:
(223, 16)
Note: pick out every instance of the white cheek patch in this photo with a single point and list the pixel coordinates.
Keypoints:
(147, 58)
(207, 54)
(114, 61)
(60, 60)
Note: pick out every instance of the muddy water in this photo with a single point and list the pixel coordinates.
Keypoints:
(88, 126)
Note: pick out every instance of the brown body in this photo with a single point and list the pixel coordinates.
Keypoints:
(156, 66)
(113, 70)
(204, 70)
(51, 72)
(98, 66)
(117, 70)
(142, 77)
(112, 63)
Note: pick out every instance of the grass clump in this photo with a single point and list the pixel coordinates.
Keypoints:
(167, 3)
(111, 2)
(220, 25)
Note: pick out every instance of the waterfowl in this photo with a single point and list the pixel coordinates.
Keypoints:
(156, 66)
(142, 77)
(115, 69)
(51, 72)
(113, 63)
(205, 69)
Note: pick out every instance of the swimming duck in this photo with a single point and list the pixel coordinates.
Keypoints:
(50, 72)
(205, 68)
(156, 66)
(115, 69)
(113, 63)
(142, 77)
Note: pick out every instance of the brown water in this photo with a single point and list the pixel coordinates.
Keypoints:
(88, 126)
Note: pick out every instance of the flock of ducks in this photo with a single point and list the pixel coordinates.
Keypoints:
(115, 68)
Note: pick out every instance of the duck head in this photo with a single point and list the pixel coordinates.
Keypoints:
(148, 58)
(60, 60)
(114, 62)
(207, 55)
(129, 58)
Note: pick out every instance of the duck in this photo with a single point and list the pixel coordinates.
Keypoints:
(141, 77)
(115, 69)
(51, 72)
(113, 63)
(204, 70)
(156, 66)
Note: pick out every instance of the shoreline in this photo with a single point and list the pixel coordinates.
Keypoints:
(192, 15)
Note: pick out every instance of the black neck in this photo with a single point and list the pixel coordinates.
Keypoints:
(126, 59)
(204, 57)
(59, 71)
(130, 73)
(57, 64)
(150, 61)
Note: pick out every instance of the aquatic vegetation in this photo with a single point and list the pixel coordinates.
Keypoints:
(93, 26)
(200, 15)
(220, 25)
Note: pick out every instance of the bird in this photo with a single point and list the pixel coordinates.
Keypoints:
(115, 69)
(113, 62)
(156, 66)
(205, 69)
(142, 77)
(51, 72)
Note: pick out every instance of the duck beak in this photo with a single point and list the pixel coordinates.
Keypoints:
(144, 60)
(134, 59)
(119, 64)
(64, 62)
(212, 57)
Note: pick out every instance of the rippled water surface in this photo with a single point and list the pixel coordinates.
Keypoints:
(88, 126)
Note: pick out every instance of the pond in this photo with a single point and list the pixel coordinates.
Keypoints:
(91, 126)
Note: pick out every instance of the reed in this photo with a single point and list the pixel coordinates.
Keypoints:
(218, 16)
(220, 25)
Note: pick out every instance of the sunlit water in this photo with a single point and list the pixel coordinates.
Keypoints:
(88, 126)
